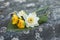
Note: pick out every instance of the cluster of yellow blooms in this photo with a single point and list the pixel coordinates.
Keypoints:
(18, 21)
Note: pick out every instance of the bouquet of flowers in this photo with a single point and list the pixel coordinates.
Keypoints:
(22, 20)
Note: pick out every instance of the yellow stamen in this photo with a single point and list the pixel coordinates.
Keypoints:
(30, 20)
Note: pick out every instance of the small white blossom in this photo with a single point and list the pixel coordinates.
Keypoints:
(22, 13)
(32, 20)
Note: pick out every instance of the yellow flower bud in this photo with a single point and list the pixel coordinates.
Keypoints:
(21, 24)
(14, 19)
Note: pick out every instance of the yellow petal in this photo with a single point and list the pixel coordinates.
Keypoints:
(21, 24)
(14, 19)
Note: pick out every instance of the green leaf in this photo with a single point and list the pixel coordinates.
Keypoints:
(11, 27)
(42, 9)
(42, 19)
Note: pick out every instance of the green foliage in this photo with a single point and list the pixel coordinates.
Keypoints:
(11, 27)
(42, 9)
(42, 19)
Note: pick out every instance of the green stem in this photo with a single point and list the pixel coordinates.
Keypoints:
(43, 8)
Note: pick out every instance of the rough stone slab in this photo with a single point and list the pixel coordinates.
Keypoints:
(46, 31)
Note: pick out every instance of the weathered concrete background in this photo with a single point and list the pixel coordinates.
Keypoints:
(46, 31)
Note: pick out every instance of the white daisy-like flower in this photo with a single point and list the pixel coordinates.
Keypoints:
(32, 20)
(22, 13)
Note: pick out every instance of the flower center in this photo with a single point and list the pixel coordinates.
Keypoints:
(30, 20)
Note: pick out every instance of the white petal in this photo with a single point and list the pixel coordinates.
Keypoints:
(27, 26)
(34, 14)
(37, 24)
(37, 18)
(32, 26)
(25, 16)
(18, 15)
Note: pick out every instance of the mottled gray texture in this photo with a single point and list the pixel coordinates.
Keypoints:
(49, 30)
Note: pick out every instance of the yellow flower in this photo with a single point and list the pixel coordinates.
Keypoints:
(14, 19)
(21, 24)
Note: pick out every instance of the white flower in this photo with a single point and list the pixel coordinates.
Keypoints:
(32, 20)
(22, 13)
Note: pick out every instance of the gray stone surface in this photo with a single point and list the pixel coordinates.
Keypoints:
(46, 31)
